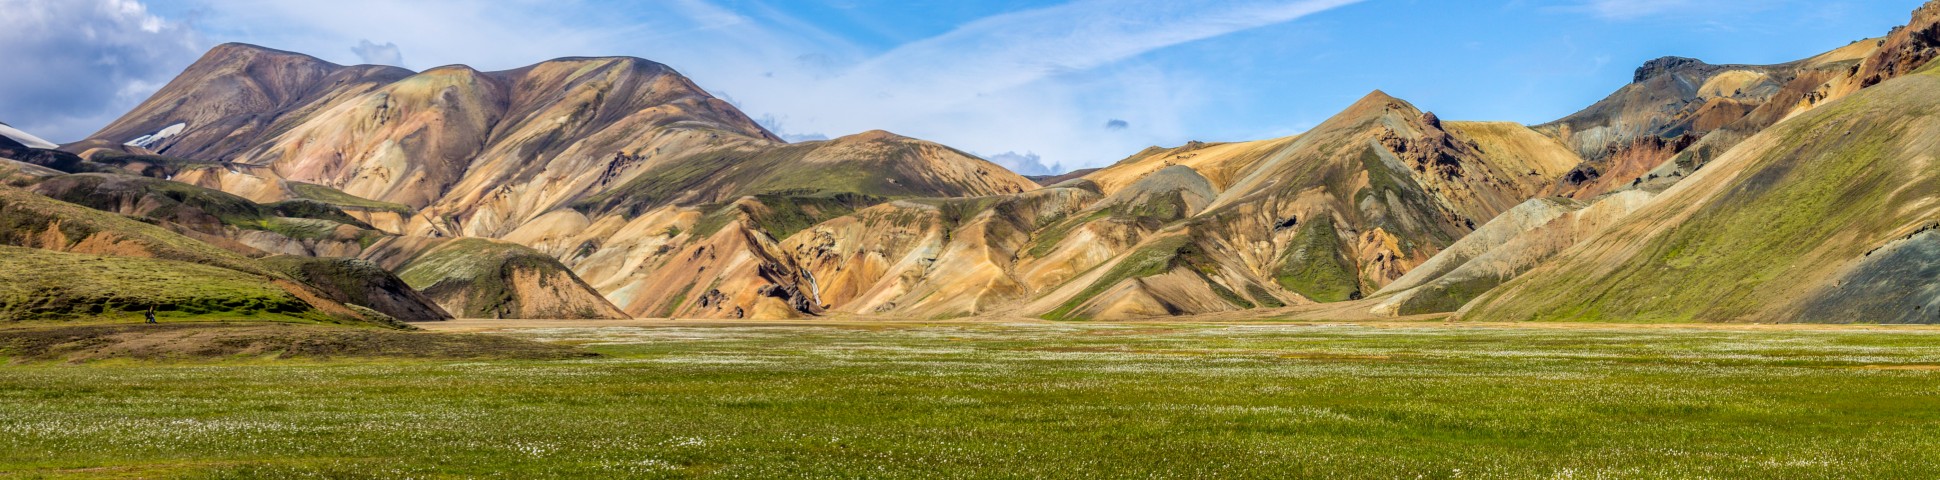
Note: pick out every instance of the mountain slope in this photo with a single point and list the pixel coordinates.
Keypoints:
(1680, 113)
(119, 266)
(480, 278)
(1155, 235)
(1781, 228)
(235, 97)
(525, 154)
(299, 227)
(1375, 191)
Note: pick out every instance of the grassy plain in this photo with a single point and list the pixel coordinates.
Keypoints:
(1017, 400)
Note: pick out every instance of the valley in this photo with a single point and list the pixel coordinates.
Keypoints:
(881, 399)
(279, 266)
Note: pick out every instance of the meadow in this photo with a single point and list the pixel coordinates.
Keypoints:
(1017, 400)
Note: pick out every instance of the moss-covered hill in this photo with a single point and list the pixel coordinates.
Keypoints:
(359, 282)
(80, 263)
(47, 285)
(482, 278)
(188, 205)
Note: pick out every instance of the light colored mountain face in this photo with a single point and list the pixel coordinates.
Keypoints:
(536, 154)
(1339, 210)
(669, 203)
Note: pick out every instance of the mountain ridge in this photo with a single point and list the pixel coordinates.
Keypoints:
(620, 177)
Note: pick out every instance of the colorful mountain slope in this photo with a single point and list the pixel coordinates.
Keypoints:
(1780, 228)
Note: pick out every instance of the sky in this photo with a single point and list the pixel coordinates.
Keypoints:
(1039, 86)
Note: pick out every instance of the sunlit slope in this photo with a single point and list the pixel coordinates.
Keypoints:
(1372, 192)
(1783, 227)
(236, 97)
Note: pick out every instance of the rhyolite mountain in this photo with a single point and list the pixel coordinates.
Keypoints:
(608, 187)
(453, 152)
(1826, 216)
(1805, 210)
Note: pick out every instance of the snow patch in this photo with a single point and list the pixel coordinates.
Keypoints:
(25, 139)
(145, 141)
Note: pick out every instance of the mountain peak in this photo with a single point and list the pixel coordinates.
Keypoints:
(233, 51)
(872, 136)
(1376, 103)
(635, 63)
(1662, 65)
(1377, 95)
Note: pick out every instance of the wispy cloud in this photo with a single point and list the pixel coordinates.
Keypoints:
(1008, 50)
(1034, 80)
(1704, 12)
(1632, 9)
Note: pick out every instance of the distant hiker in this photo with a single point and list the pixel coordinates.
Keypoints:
(150, 314)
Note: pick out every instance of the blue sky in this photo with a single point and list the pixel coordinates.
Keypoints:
(1074, 83)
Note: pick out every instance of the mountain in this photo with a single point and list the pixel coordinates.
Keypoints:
(669, 202)
(1825, 217)
(1549, 238)
(1200, 228)
(1680, 113)
(614, 187)
(481, 278)
(521, 154)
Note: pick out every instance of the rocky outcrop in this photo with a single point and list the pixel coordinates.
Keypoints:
(1904, 50)
(1662, 66)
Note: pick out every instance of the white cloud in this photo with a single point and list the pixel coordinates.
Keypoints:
(374, 54)
(1024, 163)
(75, 65)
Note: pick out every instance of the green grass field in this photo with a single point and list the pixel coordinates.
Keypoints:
(1018, 401)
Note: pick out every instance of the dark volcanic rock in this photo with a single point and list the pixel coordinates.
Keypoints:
(1663, 65)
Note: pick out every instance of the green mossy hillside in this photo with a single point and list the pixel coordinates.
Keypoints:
(26, 219)
(48, 285)
(359, 282)
(476, 275)
(335, 197)
(1313, 264)
(196, 207)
